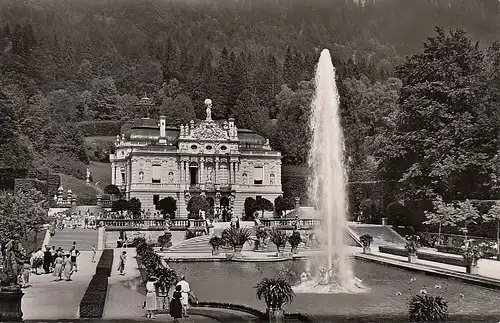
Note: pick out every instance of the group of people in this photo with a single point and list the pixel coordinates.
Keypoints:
(59, 262)
(178, 304)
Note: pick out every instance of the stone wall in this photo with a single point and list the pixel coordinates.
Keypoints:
(112, 236)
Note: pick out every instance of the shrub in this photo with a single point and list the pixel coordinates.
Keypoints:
(105, 264)
(275, 291)
(424, 256)
(278, 237)
(216, 242)
(94, 299)
(450, 249)
(366, 240)
(236, 236)
(294, 239)
(100, 128)
(189, 234)
(471, 255)
(425, 308)
(412, 244)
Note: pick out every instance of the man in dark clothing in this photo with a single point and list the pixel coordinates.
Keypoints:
(47, 259)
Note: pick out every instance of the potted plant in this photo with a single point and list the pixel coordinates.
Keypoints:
(366, 240)
(275, 292)
(236, 238)
(262, 234)
(215, 242)
(279, 238)
(471, 256)
(411, 246)
(166, 278)
(165, 240)
(294, 240)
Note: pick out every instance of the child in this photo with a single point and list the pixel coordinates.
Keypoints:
(93, 253)
(26, 274)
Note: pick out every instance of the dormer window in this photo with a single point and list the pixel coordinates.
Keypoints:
(223, 148)
(208, 147)
(194, 147)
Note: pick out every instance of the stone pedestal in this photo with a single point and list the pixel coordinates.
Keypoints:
(215, 251)
(10, 304)
(237, 252)
(276, 315)
(367, 250)
(472, 269)
(412, 258)
(281, 249)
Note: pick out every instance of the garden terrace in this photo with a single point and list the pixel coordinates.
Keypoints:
(151, 224)
(288, 224)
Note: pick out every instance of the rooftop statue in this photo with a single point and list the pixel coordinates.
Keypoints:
(208, 102)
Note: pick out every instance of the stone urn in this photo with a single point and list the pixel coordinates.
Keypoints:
(276, 315)
(472, 268)
(237, 251)
(281, 249)
(367, 250)
(10, 304)
(412, 258)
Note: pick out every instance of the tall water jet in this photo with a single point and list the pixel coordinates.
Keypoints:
(327, 187)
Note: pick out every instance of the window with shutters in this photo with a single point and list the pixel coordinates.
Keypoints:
(156, 178)
(258, 175)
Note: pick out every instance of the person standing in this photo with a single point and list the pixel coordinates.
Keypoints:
(151, 297)
(74, 254)
(68, 267)
(185, 290)
(58, 268)
(121, 264)
(175, 304)
(93, 253)
(47, 260)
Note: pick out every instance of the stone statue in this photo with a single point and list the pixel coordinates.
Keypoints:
(88, 175)
(208, 102)
(14, 258)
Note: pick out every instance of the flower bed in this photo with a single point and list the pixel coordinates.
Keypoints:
(424, 256)
(94, 299)
(105, 263)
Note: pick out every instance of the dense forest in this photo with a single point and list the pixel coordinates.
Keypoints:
(64, 62)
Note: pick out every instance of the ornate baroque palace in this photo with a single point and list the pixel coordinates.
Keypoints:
(212, 158)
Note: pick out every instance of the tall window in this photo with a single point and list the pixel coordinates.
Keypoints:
(156, 179)
(271, 179)
(223, 175)
(156, 198)
(123, 178)
(141, 176)
(258, 175)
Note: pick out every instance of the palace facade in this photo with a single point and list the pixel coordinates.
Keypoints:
(211, 158)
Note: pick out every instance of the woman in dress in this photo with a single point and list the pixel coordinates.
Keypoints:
(175, 304)
(121, 264)
(151, 297)
(68, 267)
(58, 267)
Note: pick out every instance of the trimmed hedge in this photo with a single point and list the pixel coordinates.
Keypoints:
(100, 128)
(105, 264)
(94, 299)
(424, 256)
(487, 252)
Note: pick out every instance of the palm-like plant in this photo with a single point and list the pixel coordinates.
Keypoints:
(278, 237)
(366, 240)
(236, 237)
(426, 308)
(275, 292)
(412, 244)
(294, 240)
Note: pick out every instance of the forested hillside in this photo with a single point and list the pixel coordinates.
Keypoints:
(63, 62)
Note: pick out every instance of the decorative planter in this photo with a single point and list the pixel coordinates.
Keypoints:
(472, 268)
(215, 251)
(10, 304)
(295, 251)
(281, 249)
(276, 315)
(367, 250)
(166, 241)
(237, 251)
(412, 258)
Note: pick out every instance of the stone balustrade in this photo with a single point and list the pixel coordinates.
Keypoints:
(150, 224)
(290, 223)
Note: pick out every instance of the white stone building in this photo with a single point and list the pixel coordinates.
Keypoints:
(211, 158)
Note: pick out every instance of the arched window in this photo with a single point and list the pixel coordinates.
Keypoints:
(271, 179)
(141, 175)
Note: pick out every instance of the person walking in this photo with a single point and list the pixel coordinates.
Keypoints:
(185, 290)
(175, 304)
(58, 268)
(121, 264)
(68, 267)
(47, 260)
(151, 305)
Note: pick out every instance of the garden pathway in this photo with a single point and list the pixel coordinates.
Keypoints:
(47, 299)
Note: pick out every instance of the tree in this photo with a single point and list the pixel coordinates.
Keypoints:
(119, 205)
(282, 204)
(167, 206)
(493, 215)
(112, 190)
(134, 206)
(249, 114)
(263, 204)
(444, 215)
(447, 131)
(196, 204)
(249, 207)
(465, 214)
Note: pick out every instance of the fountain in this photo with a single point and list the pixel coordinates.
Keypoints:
(327, 190)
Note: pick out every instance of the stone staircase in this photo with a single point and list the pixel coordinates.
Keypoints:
(84, 239)
(382, 235)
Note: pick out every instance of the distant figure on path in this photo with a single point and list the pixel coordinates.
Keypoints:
(151, 297)
(185, 294)
(47, 260)
(93, 253)
(68, 267)
(74, 254)
(58, 268)
(123, 260)
(175, 304)
(86, 223)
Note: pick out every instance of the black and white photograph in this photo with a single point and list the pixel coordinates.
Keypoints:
(226, 161)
